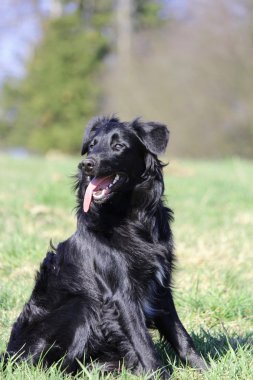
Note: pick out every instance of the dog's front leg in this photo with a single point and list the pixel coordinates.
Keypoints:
(141, 355)
(172, 329)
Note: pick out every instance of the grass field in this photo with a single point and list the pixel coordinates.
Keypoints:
(213, 204)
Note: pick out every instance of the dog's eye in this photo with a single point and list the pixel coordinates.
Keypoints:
(92, 144)
(118, 146)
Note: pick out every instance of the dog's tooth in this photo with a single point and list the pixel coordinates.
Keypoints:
(116, 179)
(100, 196)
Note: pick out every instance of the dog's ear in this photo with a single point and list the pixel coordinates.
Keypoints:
(153, 135)
(93, 126)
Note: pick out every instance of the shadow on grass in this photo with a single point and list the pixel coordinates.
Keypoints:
(209, 345)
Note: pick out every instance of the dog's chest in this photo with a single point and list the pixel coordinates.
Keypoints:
(126, 272)
(110, 270)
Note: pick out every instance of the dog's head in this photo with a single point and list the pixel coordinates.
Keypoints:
(116, 157)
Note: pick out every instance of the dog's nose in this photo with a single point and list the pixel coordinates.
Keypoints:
(88, 165)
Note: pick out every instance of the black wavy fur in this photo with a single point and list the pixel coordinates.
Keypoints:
(97, 293)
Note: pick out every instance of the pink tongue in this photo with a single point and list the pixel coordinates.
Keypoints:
(91, 187)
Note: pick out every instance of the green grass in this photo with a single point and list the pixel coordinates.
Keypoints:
(213, 204)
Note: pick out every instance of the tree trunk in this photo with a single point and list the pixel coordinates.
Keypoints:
(124, 30)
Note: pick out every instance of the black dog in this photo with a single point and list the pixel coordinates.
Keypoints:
(97, 294)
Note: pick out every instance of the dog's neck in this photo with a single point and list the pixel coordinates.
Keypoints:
(140, 206)
(104, 218)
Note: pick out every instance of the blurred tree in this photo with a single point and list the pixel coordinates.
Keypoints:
(49, 107)
(147, 13)
(132, 15)
(124, 12)
(196, 74)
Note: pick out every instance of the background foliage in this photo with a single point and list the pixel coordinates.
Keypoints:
(61, 91)
(186, 63)
(48, 108)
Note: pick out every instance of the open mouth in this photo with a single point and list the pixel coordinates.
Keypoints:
(100, 189)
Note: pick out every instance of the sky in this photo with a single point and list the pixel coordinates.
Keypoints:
(19, 31)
